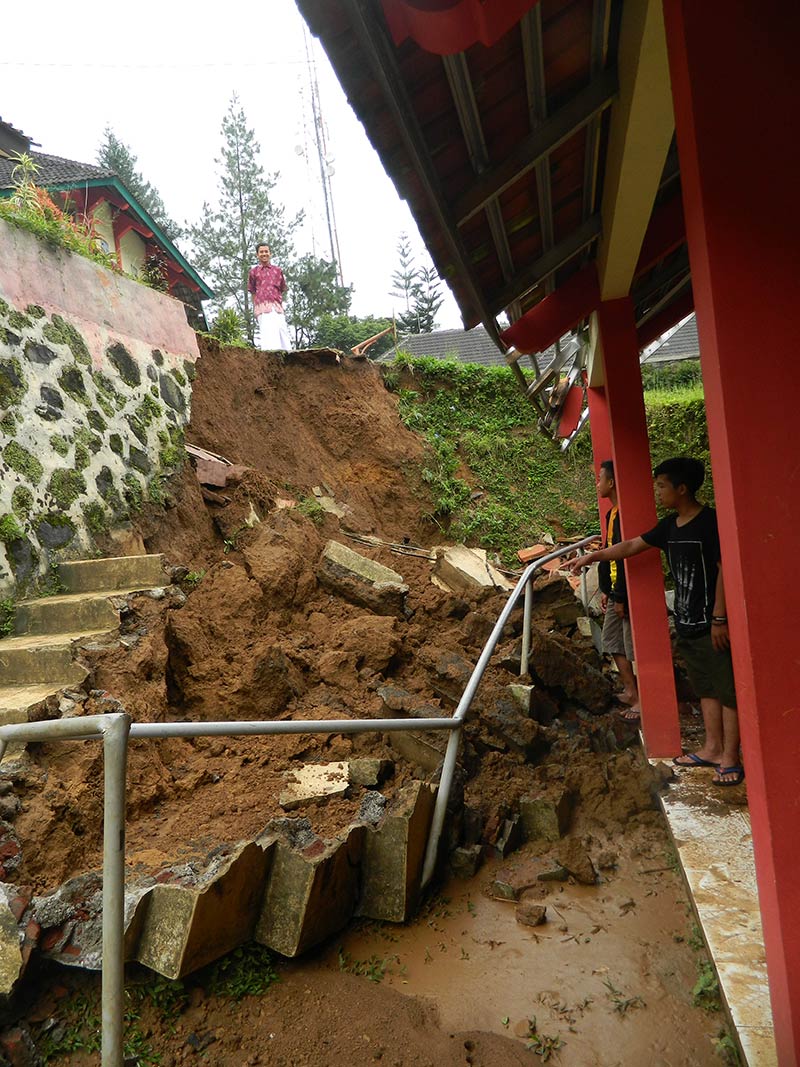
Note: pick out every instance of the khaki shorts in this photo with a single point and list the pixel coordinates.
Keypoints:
(617, 637)
(710, 672)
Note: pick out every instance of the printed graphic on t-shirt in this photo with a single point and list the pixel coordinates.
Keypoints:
(688, 566)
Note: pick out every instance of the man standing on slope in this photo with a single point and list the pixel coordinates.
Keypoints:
(267, 285)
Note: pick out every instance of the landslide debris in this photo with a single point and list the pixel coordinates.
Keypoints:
(254, 626)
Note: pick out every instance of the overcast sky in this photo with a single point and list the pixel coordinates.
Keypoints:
(162, 77)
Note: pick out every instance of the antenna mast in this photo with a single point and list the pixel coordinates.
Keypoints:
(325, 162)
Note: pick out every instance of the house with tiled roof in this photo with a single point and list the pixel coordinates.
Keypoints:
(464, 346)
(680, 343)
(122, 225)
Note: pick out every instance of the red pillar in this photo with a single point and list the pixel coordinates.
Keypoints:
(736, 90)
(600, 426)
(634, 481)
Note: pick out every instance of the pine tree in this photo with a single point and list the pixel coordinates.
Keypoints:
(245, 214)
(427, 299)
(404, 279)
(314, 291)
(420, 290)
(117, 156)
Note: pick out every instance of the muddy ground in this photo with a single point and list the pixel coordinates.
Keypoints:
(250, 632)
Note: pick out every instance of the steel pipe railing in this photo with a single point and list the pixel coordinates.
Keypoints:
(449, 765)
(116, 728)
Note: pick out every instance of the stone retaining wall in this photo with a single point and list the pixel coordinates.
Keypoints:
(95, 388)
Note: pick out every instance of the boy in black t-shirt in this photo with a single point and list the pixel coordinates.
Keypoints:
(690, 541)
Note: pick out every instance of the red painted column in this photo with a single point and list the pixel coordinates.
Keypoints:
(637, 509)
(600, 427)
(736, 90)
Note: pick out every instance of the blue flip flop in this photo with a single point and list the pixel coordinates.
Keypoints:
(738, 771)
(694, 761)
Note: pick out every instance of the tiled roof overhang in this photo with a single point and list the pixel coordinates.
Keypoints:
(501, 149)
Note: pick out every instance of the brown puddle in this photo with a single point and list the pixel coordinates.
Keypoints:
(610, 974)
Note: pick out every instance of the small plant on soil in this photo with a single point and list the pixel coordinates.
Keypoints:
(312, 509)
(246, 972)
(373, 968)
(77, 1028)
(725, 1048)
(7, 610)
(543, 1045)
(194, 578)
(705, 993)
(621, 1002)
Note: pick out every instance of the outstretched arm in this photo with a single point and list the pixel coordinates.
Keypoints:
(622, 550)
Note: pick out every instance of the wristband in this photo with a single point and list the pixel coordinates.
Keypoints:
(719, 620)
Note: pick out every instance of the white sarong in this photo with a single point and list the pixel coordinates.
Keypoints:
(273, 332)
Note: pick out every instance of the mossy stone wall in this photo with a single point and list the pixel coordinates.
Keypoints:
(91, 422)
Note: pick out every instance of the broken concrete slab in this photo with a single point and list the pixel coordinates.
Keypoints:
(313, 782)
(517, 732)
(425, 751)
(186, 926)
(465, 861)
(361, 581)
(311, 893)
(10, 947)
(394, 853)
(555, 662)
(369, 772)
(546, 818)
(462, 570)
(522, 695)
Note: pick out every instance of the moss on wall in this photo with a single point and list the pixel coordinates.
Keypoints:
(23, 462)
(61, 332)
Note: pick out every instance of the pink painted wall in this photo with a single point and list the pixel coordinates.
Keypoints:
(105, 307)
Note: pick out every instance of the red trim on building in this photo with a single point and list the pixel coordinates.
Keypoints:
(445, 27)
(542, 326)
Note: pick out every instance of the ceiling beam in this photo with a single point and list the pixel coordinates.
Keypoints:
(546, 265)
(659, 324)
(373, 38)
(533, 58)
(458, 77)
(666, 231)
(640, 134)
(552, 132)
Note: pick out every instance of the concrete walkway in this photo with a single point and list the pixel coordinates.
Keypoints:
(711, 832)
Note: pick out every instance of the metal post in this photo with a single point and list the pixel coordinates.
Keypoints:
(115, 756)
(526, 629)
(440, 810)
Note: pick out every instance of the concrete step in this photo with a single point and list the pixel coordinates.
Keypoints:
(39, 659)
(66, 614)
(15, 702)
(113, 574)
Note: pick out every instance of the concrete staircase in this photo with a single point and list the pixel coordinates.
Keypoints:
(39, 660)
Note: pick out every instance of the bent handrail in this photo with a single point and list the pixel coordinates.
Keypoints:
(116, 728)
(460, 714)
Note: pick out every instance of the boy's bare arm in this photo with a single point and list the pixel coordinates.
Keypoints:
(622, 550)
(720, 638)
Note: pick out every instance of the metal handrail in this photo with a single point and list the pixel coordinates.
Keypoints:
(460, 714)
(116, 728)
